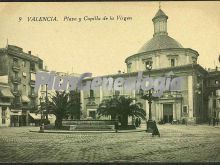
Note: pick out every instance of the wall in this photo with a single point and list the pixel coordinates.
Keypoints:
(160, 59)
(7, 118)
(3, 63)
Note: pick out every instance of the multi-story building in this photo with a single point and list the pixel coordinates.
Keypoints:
(21, 68)
(168, 58)
(213, 92)
(5, 101)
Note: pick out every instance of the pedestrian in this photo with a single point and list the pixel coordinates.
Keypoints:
(213, 121)
(186, 121)
(217, 120)
(155, 129)
(116, 126)
(210, 120)
(136, 122)
(139, 121)
(42, 128)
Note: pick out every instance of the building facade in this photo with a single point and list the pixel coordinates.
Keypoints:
(5, 102)
(197, 99)
(213, 93)
(169, 59)
(21, 69)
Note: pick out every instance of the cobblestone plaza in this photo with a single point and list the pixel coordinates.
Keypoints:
(178, 143)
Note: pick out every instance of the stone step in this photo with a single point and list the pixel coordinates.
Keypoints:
(91, 127)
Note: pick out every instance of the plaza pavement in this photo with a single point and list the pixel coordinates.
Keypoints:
(178, 143)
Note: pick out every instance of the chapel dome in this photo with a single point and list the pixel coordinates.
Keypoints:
(160, 42)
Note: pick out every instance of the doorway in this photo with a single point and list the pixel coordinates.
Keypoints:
(167, 113)
(92, 114)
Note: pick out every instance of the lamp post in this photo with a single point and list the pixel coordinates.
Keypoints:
(41, 116)
(46, 102)
(149, 98)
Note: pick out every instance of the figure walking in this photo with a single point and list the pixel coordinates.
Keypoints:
(116, 126)
(139, 122)
(136, 122)
(213, 121)
(210, 120)
(155, 129)
(217, 120)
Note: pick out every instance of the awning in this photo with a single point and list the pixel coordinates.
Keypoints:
(16, 112)
(35, 116)
(5, 104)
(25, 99)
(4, 79)
(5, 92)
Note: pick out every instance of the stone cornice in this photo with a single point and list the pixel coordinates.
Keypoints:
(179, 69)
(161, 50)
(23, 55)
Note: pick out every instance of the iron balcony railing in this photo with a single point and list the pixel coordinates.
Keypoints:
(16, 92)
(32, 94)
(16, 79)
(15, 67)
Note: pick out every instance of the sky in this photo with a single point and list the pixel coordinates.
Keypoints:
(101, 47)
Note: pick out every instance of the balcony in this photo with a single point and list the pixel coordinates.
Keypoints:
(16, 80)
(91, 101)
(15, 67)
(16, 92)
(33, 95)
(26, 106)
(32, 70)
(32, 82)
(107, 97)
(17, 103)
(92, 98)
(172, 94)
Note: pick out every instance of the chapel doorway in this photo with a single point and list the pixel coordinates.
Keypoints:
(167, 113)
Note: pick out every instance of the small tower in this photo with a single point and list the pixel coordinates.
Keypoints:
(160, 23)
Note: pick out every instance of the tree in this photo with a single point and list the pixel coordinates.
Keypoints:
(75, 105)
(121, 106)
(59, 105)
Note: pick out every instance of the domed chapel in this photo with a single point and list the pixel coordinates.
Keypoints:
(161, 50)
(167, 58)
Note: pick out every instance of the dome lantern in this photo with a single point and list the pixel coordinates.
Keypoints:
(160, 23)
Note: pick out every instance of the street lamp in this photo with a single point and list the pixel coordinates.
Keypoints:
(149, 98)
(41, 125)
(46, 102)
(41, 117)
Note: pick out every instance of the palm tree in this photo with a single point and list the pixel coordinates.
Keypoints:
(59, 105)
(121, 106)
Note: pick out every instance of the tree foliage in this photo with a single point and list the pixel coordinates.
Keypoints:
(59, 106)
(121, 106)
(63, 105)
(74, 111)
